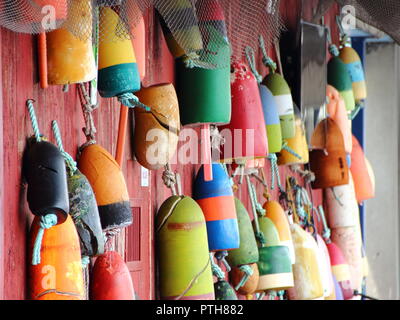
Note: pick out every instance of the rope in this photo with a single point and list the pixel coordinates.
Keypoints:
(69, 161)
(252, 63)
(326, 234)
(32, 115)
(192, 59)
(355, 112)
(169, 179)
(46, 222)
(220, 256)
(87, 108)
(290, 150)
(253, 199)
(248, 272)
(131, 101)
(216, 270)
(308, 175)
(268, 62)
(333, 50)
(275, 172)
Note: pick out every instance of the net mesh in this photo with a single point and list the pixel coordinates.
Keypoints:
(382, 14)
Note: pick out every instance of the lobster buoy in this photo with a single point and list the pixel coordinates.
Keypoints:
(340, 270)
(355, 69)
(247, 127)
(247, 252)
(45, 172)
(337, 112)
(216, 199)
(182, 251)
(85, 214)
(329, 165)
(342, 206)
(224, 291)
(281, 91)
(108, 183)
(156, 131)
(298, 144)
(64, 49)
(272, 122)
(59, 275)
(118, 70)
(250, 286)
(362, 173)
(138, 32)
(324, 263)
(339, 78)
(275, 212)
(308, 284)
(111, 279)
(268, 228)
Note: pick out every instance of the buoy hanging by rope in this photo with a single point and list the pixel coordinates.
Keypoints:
(138, 38)
(58, 275)
(217, 202)
(64, 49)
(111, 279)
(324, 263)
(156, 131)
(182, 251)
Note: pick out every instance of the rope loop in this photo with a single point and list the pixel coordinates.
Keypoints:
(69, 161)
(87, 107)
(252, 63)
(131, 101)
(216, 270)
(248, 272)
(267, 61)
(275, 172)
(34, 122)
(46, 222)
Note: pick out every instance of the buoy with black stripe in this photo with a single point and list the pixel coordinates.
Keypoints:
(217, 202)
(118, 71)
(182, 251)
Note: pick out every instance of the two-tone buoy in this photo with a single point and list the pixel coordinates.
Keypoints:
(182, 251)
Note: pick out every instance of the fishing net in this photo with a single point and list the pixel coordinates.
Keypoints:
(383, 14)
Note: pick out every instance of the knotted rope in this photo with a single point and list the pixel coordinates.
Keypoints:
(275, 172)
(131, 101)
(216, 270)
(268, 62)
(220, 256)
(217, 140)
(87, 107)
(308, 175)
(290, 150)
(169, 179)
(69, 161)
(248, 272)
(252, 63)
(46, 222)
(192, 59)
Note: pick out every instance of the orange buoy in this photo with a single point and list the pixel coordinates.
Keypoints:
(328, 158)
(336, 109)
(111, 279)
(108, 183)
(156, 131)
(362, 173)
(59, 275)
(250, 286)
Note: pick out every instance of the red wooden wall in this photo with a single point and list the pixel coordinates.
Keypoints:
(19, 82)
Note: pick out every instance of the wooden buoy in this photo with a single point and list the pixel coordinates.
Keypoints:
(247, 126)
(339, 78)
(224, 291)
(182, 251)
(355, 69)
(281, 91)
(108, 183)
(111, 279)
(298, 144)
(272, 122)
(85, 214)
(247, 253)
(308, 284)
(118, 70)
(45, 172)
(362, 175)
(216, 199)
(69, 58)
(250, 286)
(59, 275)
(156, 131)
(275, 212)
(329, 165)
(337, 112)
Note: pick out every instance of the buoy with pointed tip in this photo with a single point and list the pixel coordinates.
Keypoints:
(156, 131)
(224, 291)
(328, 159)
(182, 251)
(118, 70)
(59, 275)
(111, 279)
(108, 183)
(216, 199)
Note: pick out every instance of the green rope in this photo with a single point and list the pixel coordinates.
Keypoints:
(216, 270)
(268, 62)
(192, 59)
(32, 115)
(290, 150)
(46, 222)
(85, 261)
(275, 172)
(220, 256)
(69, 161)
(252, 63)
(131, 101)
(281, 293)
(333, 50)
(248, 272)
(326, 234)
